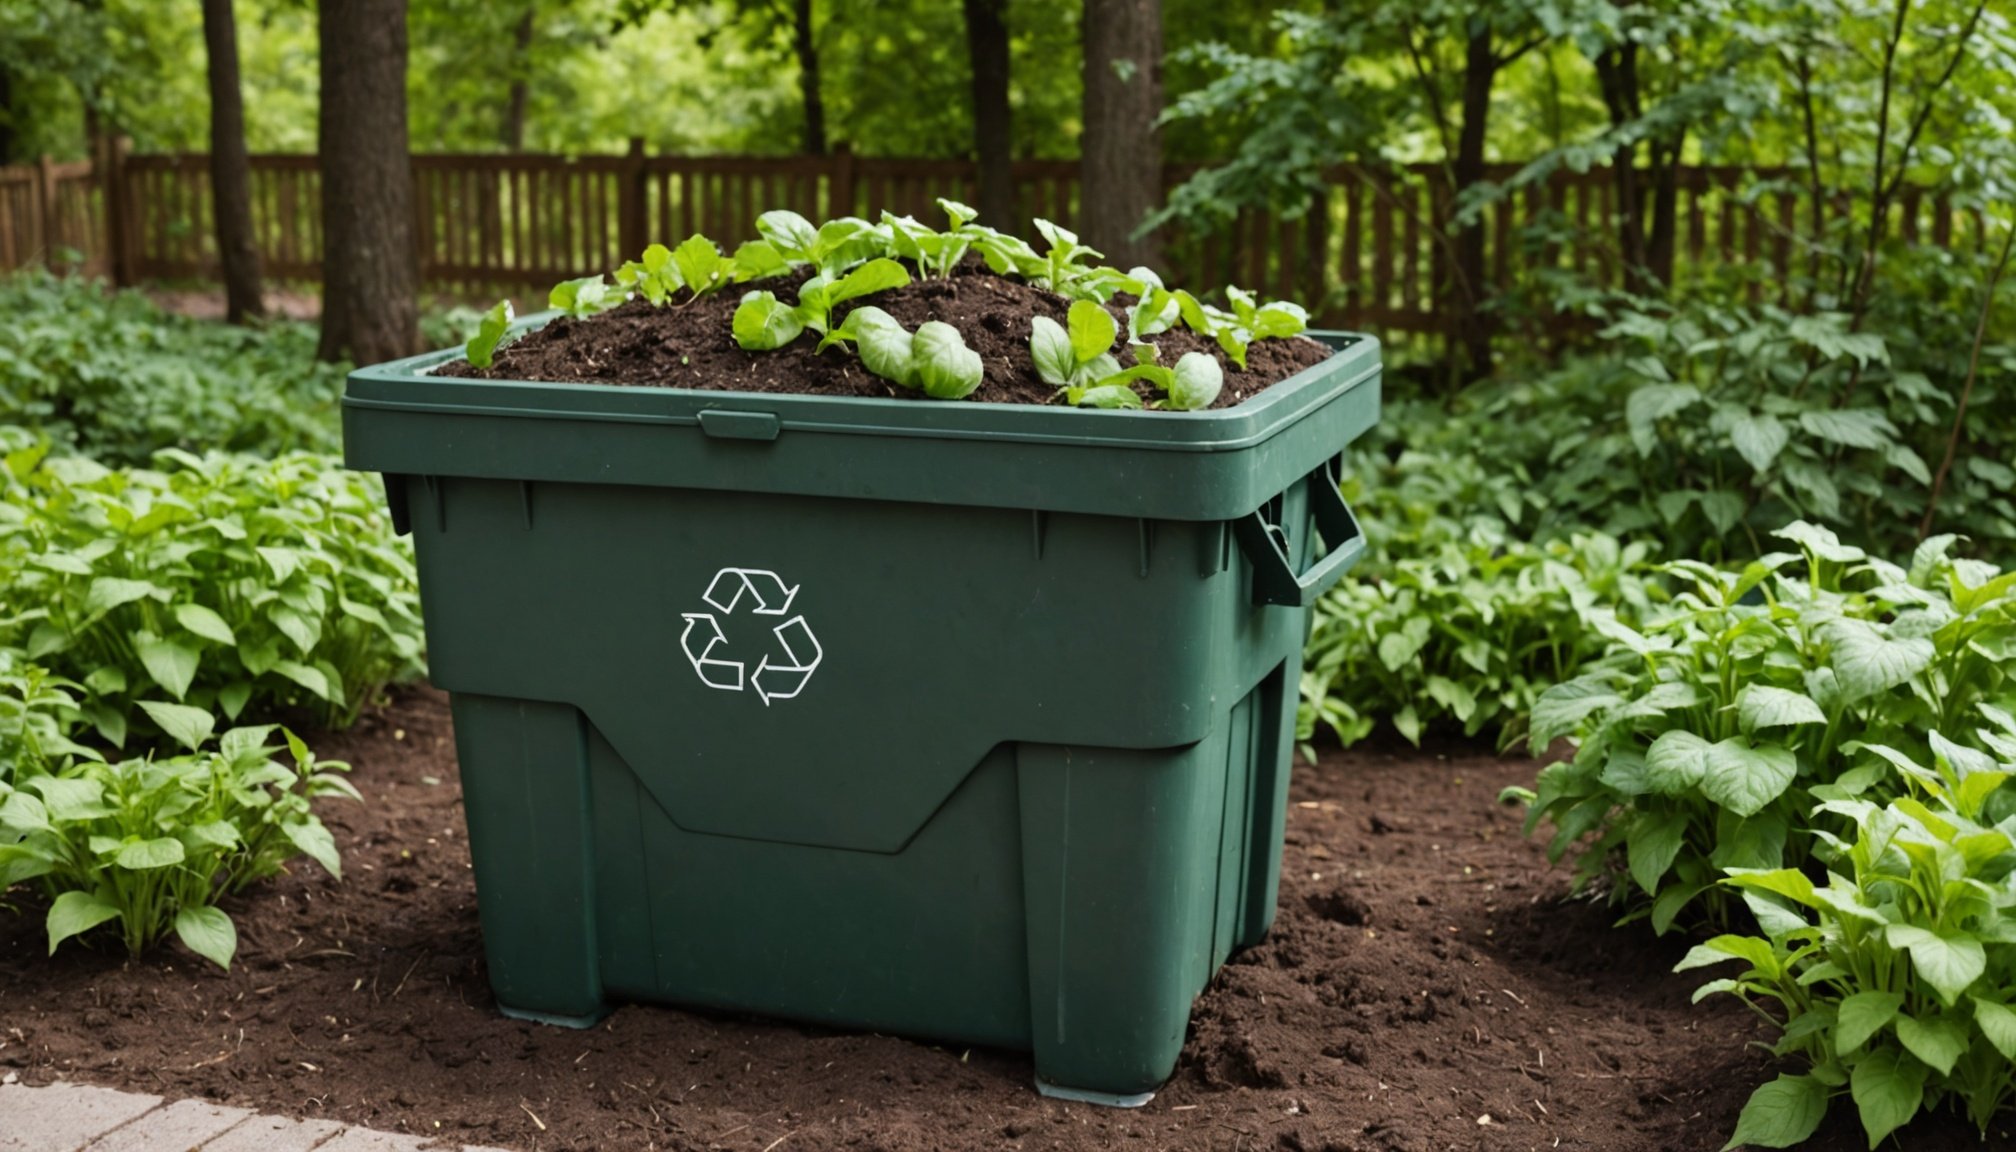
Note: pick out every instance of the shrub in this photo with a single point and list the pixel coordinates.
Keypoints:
(115, 377)
(1707, 736)
(226, 582)
(1896, 979)
(151, 843)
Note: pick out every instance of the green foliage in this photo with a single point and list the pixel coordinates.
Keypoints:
(1452, 618)
(226, 582)
(935, 360)
(112, 375)
(482, 347)
(1708, 732)
(152, 843)
(1896, 979)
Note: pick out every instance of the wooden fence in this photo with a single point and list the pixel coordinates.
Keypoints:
(1371, 251)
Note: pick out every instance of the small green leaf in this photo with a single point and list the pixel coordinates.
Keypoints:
(171, 665)
(945, 368)
(1050, 347)
(1198, 381)
(1654, 843)
(1763, 706)
(1939, 1041)
(205, 623)
(1950, 961)
(1092, 330)
(1745, 779)
(315, 840)
(187, 726)
(1676, 762)
(109, 592)
(75, 912)
(161, 852)
(1998, 1023)
(764, 323)
(481, 349)
(209, 933)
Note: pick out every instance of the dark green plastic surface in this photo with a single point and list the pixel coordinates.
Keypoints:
(1030, 792)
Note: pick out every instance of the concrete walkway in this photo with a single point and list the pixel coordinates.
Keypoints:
(77, 1118)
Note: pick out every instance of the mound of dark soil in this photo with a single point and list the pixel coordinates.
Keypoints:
(1425, 988)
(692, 345)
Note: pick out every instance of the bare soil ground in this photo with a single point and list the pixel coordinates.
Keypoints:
(1425, 988)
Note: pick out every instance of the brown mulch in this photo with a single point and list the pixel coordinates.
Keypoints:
(692, 345)
(1425, 988)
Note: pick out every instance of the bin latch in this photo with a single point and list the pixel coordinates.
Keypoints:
(1264, 542)
(730, 424)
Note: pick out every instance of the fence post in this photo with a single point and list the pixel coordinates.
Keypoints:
(119, 235)
(45, 191)
(630, 201)
(840, 197)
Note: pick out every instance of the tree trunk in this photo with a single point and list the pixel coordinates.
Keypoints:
(514, 103)
(1120, 170)
(370, 270)
(808, 80)
(1645, 245)
(1473, 322)
(230, 169)
(6, 114)
(987, 44)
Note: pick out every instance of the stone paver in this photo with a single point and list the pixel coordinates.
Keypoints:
(368, 1140)
(180, 1126)
(78, 1118)
(64, 1117)
(275, 1134)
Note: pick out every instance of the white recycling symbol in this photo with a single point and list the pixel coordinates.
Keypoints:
(772, 680)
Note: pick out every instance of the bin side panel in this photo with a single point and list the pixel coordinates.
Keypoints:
(927, 941)
(525, 792)
(1059, 629)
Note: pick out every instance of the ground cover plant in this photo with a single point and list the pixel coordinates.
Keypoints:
(114, 376)
(151, 843)
(1708, 733)
(1894, 981)
(964, 313)
(225, 582)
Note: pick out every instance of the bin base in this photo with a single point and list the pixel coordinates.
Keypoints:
(1083, 1096)
(576, 1022)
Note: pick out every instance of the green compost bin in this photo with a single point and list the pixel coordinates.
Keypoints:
(961, 721)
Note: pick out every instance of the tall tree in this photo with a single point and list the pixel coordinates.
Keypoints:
(770, 15)
(230, 169)
(513, 136)
(987, 46)
(1120, 166)
(370, 268)
(807, 49)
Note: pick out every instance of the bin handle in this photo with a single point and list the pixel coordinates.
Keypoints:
(1274, 578)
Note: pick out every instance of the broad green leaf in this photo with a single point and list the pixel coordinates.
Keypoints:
(1849, 427)
(75, 912)
(173, 666)
(1862, 1016)
(310, 678)
(1563, 706)
(1867, 660)
(1749, 949)
(187, 726)
(701, 266)
(1949, 961)
(302, 630)
(70, 799)
(284, 562)
(481, 350)
(1763, 706)
(205, 623)
(1745, 779)
(1998, 1023)
(1939, 1041)
(209, 933)
(1105, 396)
(1758, 438)
(1888, 1087)
(1654, 842)
(1787, 882)
(141, 855)
(764, 323)
(1676, 762)
(791, 234)
(106, 680)
(942, 363)
(109, 592)
(232, 698)
(1092, 330)
(1781, 1114)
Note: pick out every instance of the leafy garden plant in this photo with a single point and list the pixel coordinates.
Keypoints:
(223, 582)
(1894, 982)
(851, 258)
(1707, 734)
(151, 844)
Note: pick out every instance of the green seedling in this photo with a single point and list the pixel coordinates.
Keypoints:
(935, 360)
(482, 347)
(763, 322)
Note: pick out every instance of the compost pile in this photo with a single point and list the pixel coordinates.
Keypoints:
(894, 309)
